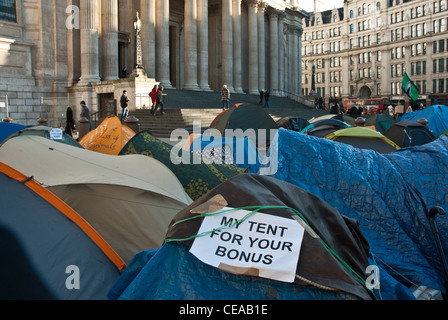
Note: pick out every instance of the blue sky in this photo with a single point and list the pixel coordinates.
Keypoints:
(322, 5)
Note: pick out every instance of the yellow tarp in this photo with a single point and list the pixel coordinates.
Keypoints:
(109, 138)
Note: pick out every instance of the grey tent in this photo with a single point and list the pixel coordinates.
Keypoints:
(48, 251)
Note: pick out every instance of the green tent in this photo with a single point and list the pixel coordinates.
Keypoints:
(197, 177)
(45, 132)
(246, 116)
(381, 122)
(364, 138)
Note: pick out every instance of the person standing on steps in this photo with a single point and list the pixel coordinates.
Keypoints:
(159, 101)
(225, 97)
(266, 98)
(85, 113)
(124, 101)
(153, 95)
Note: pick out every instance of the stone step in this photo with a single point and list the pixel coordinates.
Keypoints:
(183, 107)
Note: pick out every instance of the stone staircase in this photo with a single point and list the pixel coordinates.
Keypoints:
(161, 126)
(182, 108)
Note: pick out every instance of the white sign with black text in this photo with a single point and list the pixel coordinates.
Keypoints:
(263, 245)
(56, 134)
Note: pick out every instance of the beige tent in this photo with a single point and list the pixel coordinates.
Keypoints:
(129, 200)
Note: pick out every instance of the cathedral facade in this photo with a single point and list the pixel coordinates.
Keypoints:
(53, 54)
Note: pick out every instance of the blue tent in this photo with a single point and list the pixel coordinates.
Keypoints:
(7, 129)
(436, 115)
(389, 195)
(243, 152)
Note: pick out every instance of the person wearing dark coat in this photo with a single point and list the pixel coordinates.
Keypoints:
(70, 124)
(266, 98)
(124, 102)
(159, 101)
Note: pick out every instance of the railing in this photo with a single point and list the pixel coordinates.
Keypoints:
(98, 116)
(298, 98)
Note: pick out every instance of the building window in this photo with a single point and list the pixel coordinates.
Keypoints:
(441, 85)
(8, 11)
(418, 68)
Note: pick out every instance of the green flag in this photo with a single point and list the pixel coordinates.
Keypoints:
(409, 87)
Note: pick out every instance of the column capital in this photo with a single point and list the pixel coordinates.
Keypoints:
(295, 29)
(252, 3)
(273, 12)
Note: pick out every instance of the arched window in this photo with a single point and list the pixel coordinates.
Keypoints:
(352, 14)
(378, 6)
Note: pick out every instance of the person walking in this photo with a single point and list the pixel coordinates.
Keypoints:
(225, 97)
(159, 101)
(266, 98)
(124, 102)
(85, 113)
(70, 123)
(153, 95)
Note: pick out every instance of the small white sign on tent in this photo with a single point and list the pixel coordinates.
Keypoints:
(263, 245)
(56, 134)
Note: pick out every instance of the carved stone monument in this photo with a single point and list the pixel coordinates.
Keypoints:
(139, 70)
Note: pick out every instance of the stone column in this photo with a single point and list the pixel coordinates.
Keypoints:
(148, 16)
(281, 54)
(89, 41)
(163, 42)
(203, 45)
(237, 47)
(191, 45)
(110, 39)
(295, 31)
(261, 47)
(227, 45)
(299, 61)
(273, 51)
(253, 47)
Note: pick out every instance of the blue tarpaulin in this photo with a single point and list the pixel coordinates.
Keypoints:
(436, 115)
(7, 129)
(388, 194)
(173, 273)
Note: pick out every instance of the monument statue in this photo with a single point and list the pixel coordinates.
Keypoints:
(138, 70)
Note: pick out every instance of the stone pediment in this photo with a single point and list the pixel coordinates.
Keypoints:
(364, 80)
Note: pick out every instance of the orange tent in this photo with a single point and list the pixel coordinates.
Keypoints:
(109, 138)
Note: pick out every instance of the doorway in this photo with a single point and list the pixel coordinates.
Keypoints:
(365, 93)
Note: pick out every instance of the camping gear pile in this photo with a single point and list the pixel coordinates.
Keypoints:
(304, 209)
